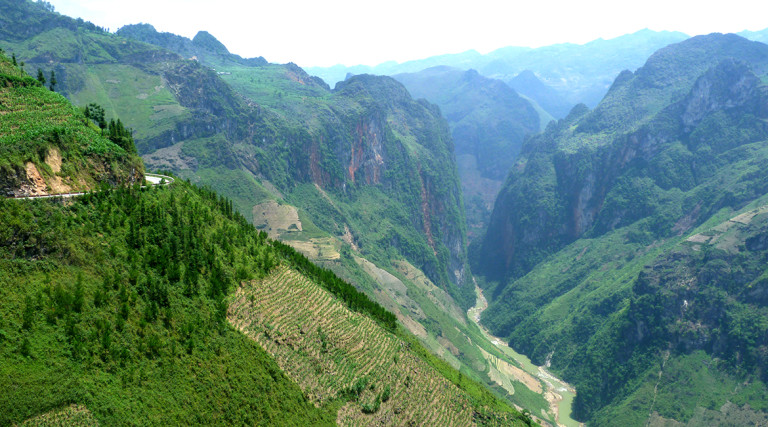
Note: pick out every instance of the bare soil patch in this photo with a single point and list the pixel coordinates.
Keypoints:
(276, 219)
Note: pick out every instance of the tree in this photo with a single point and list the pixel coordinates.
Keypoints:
(40, 76)
(121, 135)
(96, 113)
(53, 81)
(13, 59)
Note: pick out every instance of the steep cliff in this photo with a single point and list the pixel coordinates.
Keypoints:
(592, 252)
(488, 121)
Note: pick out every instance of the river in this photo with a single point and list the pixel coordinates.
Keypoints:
(558, 393)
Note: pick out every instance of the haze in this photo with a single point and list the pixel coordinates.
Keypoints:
(312, 33)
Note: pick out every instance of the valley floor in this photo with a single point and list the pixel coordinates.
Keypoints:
(558, 393)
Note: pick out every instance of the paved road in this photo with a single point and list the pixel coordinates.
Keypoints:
(151, 178)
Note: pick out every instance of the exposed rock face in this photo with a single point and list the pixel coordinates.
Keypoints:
(488, 122)
(366, 153)
(558, 190)
(671, 146)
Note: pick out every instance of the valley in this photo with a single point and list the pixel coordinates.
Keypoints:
(570, 235)
(559, 394)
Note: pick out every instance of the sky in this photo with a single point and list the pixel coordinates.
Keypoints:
(325, 33)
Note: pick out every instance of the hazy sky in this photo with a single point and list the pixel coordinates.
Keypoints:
(323, 33)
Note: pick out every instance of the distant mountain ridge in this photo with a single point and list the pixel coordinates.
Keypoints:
(203, 46)
(580, 73)
(488, 121)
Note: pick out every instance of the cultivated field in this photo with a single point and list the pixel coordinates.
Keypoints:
(336, 354)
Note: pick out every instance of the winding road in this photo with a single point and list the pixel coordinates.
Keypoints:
(150, 178)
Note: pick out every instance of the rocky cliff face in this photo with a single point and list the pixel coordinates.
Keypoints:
(488, 122)
(573, 180)
(593, 240)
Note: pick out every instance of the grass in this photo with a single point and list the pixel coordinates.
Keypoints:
(139, 98)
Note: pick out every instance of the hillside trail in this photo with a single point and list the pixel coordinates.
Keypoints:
(558, 393)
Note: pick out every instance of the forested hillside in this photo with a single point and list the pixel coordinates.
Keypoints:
(117, 304)
(625, 246)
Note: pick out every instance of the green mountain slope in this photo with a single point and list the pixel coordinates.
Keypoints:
(116, 309)
(365, 139)
(488, 122)
(367, 171)
(604, 245)
(360, 179)
(141, 335)
(47, 146)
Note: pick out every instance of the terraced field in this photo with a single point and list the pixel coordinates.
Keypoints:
(72, 415)
(336, 354)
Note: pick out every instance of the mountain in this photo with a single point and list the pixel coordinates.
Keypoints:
(47, 146)
(203, 47)
(583, 73)
(220, 133)
(136, 305)
(526, 83)
(360, 179)
(488, 123)
(580, 73)
(337, 73)
(758, 36)
(603, 249)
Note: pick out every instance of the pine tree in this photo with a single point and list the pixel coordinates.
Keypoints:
(40, 76)
(53, 81)
(13, 59)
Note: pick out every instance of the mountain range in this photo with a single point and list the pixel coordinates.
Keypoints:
(601, 247)
(325, 255)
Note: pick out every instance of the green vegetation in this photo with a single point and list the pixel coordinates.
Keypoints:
(38, 122)
(339, 356)
(626, 246)
(117, 302)
(365, 161)
(354, 299)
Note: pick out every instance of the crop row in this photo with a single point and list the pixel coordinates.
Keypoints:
(330, 350)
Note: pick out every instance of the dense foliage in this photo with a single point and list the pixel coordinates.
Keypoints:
(606, 252)
(117, 301)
